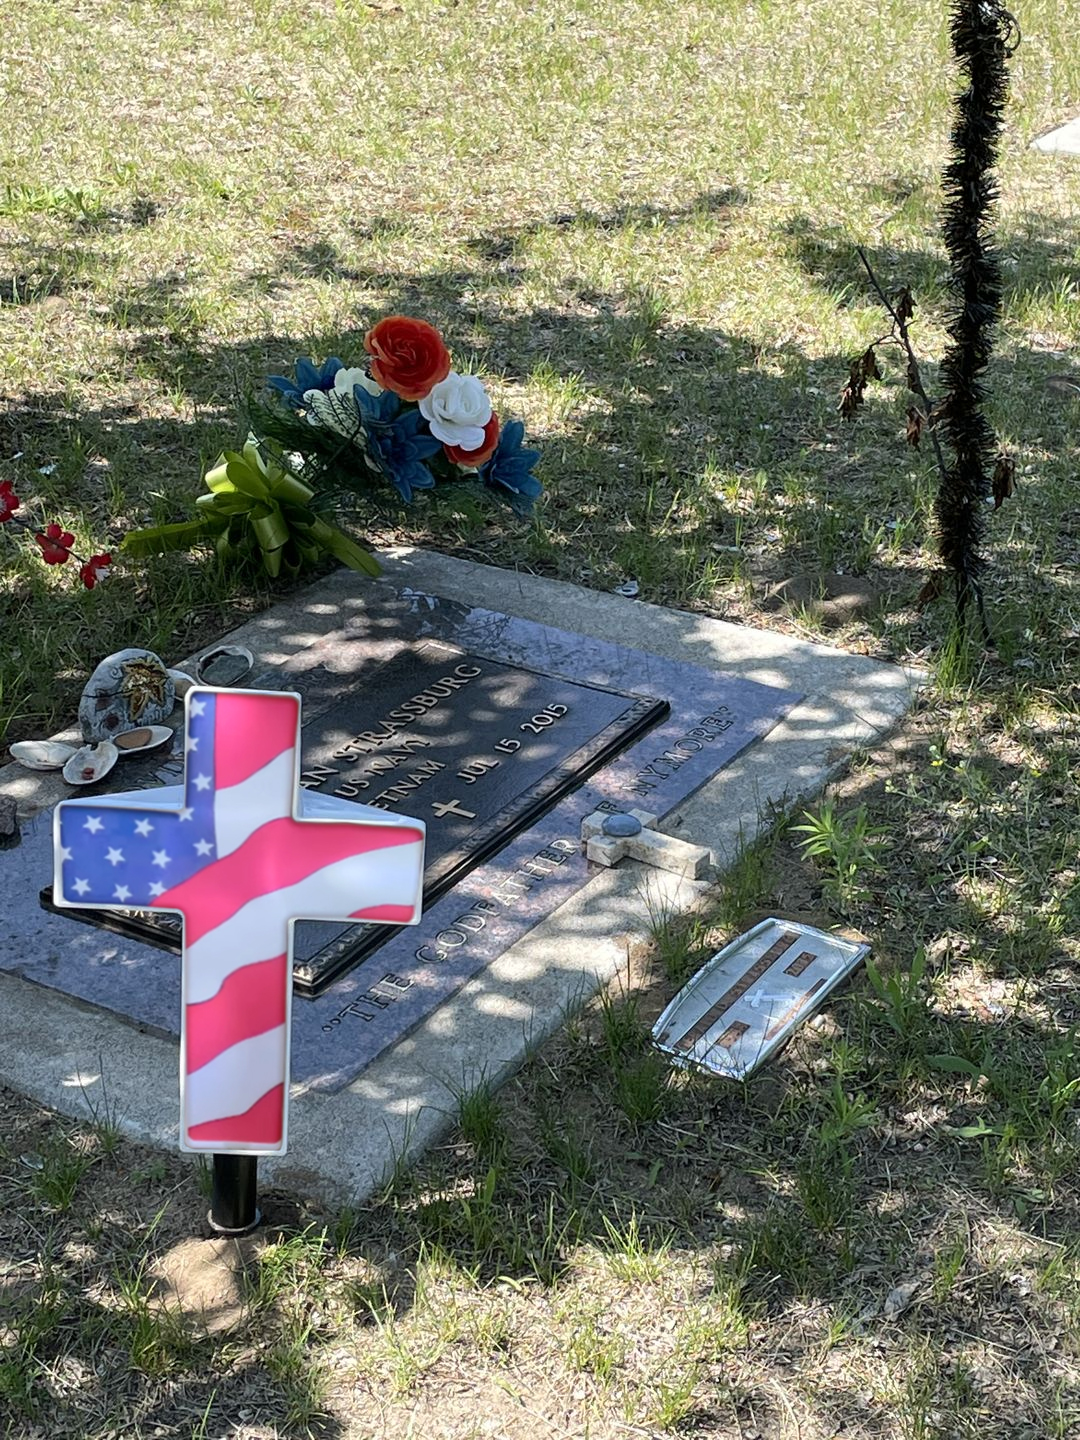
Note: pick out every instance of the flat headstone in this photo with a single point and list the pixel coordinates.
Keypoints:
(1065, 140)
(502, 742)
(88, 1017)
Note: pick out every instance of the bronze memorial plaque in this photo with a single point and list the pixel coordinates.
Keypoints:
(475, 747)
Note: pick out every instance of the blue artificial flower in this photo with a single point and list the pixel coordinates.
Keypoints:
(510, 469)
(398, 442)
(307, 378)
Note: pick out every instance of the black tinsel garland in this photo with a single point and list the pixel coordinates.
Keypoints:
(982, 32)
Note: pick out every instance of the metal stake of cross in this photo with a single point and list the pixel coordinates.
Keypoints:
(241, 862)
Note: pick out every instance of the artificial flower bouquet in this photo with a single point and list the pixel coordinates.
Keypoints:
(404, 419)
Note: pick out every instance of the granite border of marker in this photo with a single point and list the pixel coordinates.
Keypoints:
(84, 1061)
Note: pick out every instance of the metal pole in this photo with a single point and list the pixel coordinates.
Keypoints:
(233, 1207)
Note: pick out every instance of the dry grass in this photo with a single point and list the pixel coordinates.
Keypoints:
(637, 219)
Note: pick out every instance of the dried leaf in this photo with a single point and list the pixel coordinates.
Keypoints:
(914, 379)
(904, 305)
(1004, 481)
(898, 1299)
(932, 590)
(870, 366)
(851, 396)
(915, 422)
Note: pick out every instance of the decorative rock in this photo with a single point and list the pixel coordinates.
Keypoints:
(621, 825)
(128, 689)
(9, 823)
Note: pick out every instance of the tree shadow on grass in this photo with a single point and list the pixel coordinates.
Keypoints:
(785, 1212)
(93, 1347)
(686, 457)
(896, 1190)
(1038, 253)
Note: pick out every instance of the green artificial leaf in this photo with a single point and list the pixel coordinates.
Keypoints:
(954, 1065)
(217, 478)
(286, 489)
(344, 549)
(225, 502)
(270, 529)
(160, 539)
(252, 502)
(973, 1132)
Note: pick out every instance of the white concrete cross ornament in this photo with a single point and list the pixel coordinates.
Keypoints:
(609, 838)
(242, 853)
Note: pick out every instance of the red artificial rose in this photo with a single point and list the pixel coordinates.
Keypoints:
(9, 501)
(55, 544)
(407, 356)
(483, 452)
(95, 569)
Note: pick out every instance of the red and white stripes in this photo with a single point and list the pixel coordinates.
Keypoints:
(238, 911)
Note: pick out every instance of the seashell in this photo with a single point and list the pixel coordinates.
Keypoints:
(42, 754)
(127, 689)
(147, 737)
(224, 665)
(182, 682)
(91, 763)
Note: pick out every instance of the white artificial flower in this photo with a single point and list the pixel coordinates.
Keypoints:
(346, 379)
(457, 409)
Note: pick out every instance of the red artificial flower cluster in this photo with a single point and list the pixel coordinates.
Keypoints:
(95, 569)
(9, 501)
(54, 542)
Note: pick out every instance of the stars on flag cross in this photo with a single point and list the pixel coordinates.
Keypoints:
(114, 856)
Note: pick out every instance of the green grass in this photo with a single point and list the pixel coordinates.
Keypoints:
(637, 220)
(666, 292)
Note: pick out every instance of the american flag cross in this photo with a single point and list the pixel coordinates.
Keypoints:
(241, 866)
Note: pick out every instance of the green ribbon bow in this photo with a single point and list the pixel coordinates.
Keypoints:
(255, 501)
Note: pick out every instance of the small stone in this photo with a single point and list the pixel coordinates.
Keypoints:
(621, 826)
(9, 823)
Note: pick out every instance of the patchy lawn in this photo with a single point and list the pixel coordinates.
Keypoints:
(637, 220)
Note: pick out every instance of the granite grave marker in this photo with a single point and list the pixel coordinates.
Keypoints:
(503, 734)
